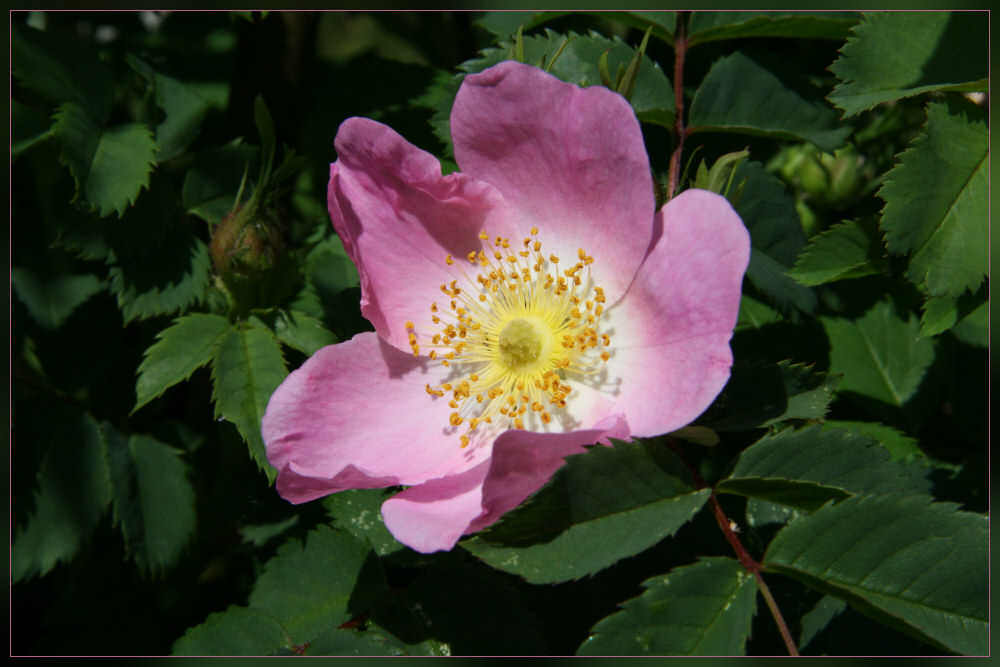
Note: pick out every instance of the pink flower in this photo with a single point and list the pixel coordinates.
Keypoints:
(526, 307)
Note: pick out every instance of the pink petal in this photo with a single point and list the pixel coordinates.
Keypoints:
(356, 415)
(523, 462)
(570, 161)
(399, 218)
(671, 332)
(432, 516)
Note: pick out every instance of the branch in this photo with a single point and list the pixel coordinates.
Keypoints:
(746, 560)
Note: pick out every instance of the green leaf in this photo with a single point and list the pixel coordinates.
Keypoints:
(51, 299)
(235, 631)
(806, 468)
(738, 95)
(901, 447)
(180, 349)
(700, 609)
(359, 512)
(27, 128)
(754, 314)
(60, 70)
(712, 26)
(246, 370)
(819, 617)
(110, 164)
(936, 204)
(183, 108)
(167, 280)
(905, 561)
(848, 250)
(760, 394)
(652, 99)
(72, 492)
(153, 500)
(879, 354)
(900, 54)
(318, 586)
(973, 329)
(771, 278)
(776, 238)
(211, 183)
(607, 504)
(769, 213)
(471, 608)
(352, 642)
(302, 332)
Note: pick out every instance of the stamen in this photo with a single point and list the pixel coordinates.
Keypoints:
(517, 329)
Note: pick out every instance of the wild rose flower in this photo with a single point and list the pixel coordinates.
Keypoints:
(530, 305)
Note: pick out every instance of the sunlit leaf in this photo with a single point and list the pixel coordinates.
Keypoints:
(700, 609)
(739, 95)
(936, 203)
(711, 26)
(879, 354)
(848, 250)
(905, 561)
(359, 512)
(898, 54)
(806, 468)
(602, 506)
(313, 587)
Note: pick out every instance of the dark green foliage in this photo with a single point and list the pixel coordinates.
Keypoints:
(172, 260)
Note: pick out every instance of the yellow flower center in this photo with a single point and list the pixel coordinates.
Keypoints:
(512, 334)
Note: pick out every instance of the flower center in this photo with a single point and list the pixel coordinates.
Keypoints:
(512, 333)
(521, 343)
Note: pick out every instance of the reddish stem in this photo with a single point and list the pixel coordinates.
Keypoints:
(746, 560)
(680, 50)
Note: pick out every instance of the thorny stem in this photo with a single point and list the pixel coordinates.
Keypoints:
(680, 50)
(746, 560)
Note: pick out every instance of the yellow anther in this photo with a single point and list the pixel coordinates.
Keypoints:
(553, 259)
(455, 419)
(465, 441)
(448, 260)
(409, 326)
(534, 230)
(484, 235)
